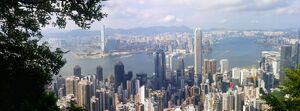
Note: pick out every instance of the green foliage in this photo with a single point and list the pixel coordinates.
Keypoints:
(47, 102)
(73, 107)
(288, 96)
(26, 66)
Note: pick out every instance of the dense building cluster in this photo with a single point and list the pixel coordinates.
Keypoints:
(205, 86)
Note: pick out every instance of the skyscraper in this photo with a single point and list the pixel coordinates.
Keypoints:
(296, 54)
(102, 99)
(285, 60)
(285, 56)
(102, 39)
(160, 67)
(179, 71)
(224, 65)
(71, 84)
(190, 45)
(84, 94)
(236, 73)
(226, 102)
(198, 52)
(268, 78)
(77, 71)
(237, 101)
(180, 65)
(119, 74)
(210, 66)
(169, 60)
(142, 77)
(129, 75)
(297, 50)
(191, 75)
(99, 73)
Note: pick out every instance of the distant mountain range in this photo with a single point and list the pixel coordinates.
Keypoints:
(154, 30)
(150, 30)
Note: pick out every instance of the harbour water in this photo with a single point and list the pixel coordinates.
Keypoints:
(239, 51)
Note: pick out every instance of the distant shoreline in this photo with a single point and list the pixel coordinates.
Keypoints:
(99, 55)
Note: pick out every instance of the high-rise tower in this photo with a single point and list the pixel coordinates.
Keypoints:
(285, 60)
(84, 94)
(102, 38)
(190, 45)
(209, 66)
(224, 63)
(77, 71)
(160, 67)
(99, 73)
(198, 52)
(119, 74)
(179, 72)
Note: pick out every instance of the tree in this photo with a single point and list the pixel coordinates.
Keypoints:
(287, 98)
(27, 67)
(74, 108)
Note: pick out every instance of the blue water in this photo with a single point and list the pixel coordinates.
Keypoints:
(239, 51)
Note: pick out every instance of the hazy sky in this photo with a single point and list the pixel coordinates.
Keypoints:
(234, 14)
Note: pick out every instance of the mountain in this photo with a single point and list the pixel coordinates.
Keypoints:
(150, 30)
(154, 30)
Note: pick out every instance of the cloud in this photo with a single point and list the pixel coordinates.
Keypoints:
(292, 9)
(246, 5)
(203, 13)
(171, 18)
(179, 20)
(130, 12)
(223, 21)
(254, 21)
(141, 1)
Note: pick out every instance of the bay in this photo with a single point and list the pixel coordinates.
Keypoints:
(239, 51)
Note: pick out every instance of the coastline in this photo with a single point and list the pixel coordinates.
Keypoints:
(99, 55)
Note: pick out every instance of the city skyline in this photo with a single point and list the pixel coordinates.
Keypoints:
(150, 55)
(201, 85)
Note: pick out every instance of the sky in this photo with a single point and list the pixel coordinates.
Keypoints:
(206, 14)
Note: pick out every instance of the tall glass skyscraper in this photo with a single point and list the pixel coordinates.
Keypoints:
(119, 74)
(160, 68)
(285, 60)
(179, 72)
(102, 38)
(198, 52)
(99, 73)
(77, 71)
